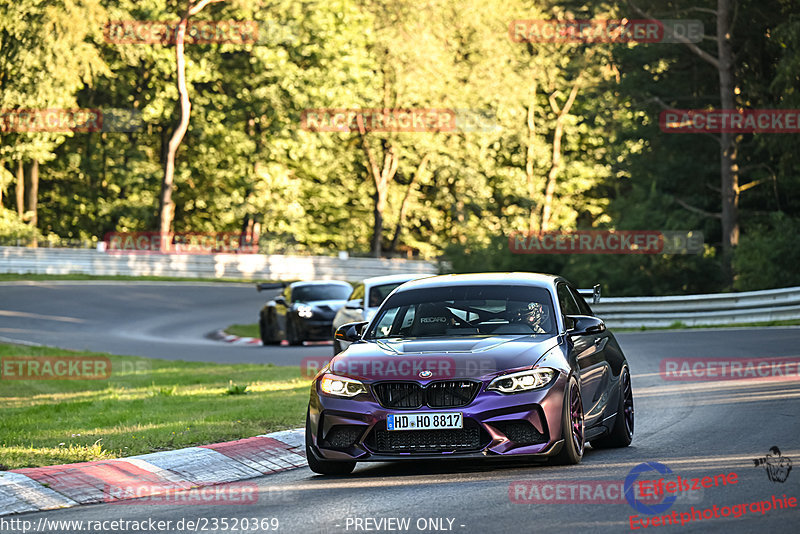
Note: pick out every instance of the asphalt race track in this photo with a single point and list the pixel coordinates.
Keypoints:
(696, 429)
(155, 319)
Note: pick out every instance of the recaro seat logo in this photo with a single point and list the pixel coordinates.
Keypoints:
(433, 319)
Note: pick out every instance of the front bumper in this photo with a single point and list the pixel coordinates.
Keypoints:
(495, 425)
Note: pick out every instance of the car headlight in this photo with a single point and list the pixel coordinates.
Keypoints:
(305, 311)
(523, 380)
(341, 386)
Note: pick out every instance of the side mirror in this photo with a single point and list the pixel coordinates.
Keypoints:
(351, 332)
(355, 304)
(584, 325)
(280, 299)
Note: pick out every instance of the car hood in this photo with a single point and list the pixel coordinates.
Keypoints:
(460, 357)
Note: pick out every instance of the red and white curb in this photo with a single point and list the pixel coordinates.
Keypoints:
(220, 335)
(63, 486)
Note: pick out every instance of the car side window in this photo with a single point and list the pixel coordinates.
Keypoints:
(582, 305)
(408, 319)
(567, 303)
(358, 292)
(396, 320)
(385, 325)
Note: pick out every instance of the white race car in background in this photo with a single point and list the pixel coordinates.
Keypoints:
(357, 309)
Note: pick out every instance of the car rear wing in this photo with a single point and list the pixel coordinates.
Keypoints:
(594, 293)
(271, 285)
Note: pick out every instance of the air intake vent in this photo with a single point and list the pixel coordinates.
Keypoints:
(344, 436)
(400, 394)
(444, 394)
(451, 394)
(520, 432)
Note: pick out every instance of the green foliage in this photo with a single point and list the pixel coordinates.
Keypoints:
(236, 389)
(620, 275)
(246, 158)
(12, 228)
(165, 391)
(768, 255)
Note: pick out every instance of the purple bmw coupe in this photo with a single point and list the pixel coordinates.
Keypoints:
(471, 366)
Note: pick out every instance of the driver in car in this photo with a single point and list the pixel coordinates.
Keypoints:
(534, 314)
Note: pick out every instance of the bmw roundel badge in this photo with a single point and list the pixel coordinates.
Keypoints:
(425, 374)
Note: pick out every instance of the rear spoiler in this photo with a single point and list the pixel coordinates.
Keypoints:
(594, 293)
(271, 285)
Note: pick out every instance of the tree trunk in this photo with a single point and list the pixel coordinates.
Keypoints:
(377, 226)
(166, 212)
(381, 178)
(729, 168)
(529, 171)
(33, 198)
(555, 165)
(20, 189)
(166, 205)
(404, 204)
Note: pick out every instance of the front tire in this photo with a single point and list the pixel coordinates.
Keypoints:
(268, 336)
(324, 467)
(572, 428)
(291, 333)
(621, 433)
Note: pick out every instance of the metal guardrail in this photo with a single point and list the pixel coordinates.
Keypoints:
(237, 266)
(697, 310)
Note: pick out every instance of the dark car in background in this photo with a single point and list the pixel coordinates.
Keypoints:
(472, 366)
(304, 311)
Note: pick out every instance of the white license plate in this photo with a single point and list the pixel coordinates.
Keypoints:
(425, 421)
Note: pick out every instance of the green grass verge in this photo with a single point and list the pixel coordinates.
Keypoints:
(244, 330)
(13, 277)
(146, 405)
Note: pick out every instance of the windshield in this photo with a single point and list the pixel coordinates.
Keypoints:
(465, 311)
(320, 292)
